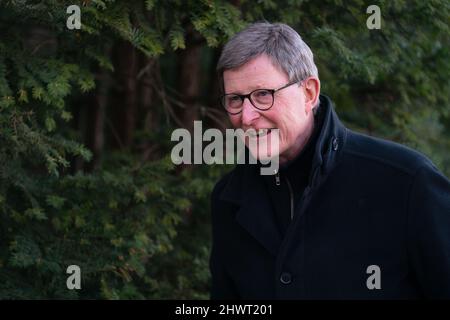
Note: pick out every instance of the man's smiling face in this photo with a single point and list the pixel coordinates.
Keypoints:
(291, 112)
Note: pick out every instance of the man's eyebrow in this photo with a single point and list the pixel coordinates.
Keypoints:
(251, 88)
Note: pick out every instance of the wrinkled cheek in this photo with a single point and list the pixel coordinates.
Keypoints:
(269, 145)
(283, 141)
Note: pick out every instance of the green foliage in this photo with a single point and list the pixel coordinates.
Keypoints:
(140, 229)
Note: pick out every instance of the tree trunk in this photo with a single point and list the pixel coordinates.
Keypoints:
(95, 122)
(146, 107)
(189, 83)
(124, 104)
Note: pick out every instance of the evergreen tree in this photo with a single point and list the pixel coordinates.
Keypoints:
(86, 116)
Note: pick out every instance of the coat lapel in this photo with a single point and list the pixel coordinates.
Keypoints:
(255, 214)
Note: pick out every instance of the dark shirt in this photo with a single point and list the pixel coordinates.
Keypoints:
(294, 177)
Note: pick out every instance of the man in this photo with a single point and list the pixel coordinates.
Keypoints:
(347, 216)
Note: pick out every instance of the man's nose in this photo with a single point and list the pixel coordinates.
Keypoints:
(249, 112)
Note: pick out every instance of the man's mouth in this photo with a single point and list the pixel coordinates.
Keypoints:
(253, 133)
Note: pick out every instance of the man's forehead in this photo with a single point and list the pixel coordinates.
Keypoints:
(245, 82)
(257, 73)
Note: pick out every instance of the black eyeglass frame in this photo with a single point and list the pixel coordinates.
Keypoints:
(243, 96)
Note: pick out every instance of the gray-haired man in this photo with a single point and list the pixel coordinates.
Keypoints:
(345, 216)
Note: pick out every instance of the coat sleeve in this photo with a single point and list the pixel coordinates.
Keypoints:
(221, 284)
(429, 232)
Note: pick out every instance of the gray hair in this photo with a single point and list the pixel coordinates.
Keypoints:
(282, 44)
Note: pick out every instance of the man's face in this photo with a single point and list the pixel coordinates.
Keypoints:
(290, 113)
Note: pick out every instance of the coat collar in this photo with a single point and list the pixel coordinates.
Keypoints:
(245, 187)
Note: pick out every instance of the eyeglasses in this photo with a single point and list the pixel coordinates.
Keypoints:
(261, 99)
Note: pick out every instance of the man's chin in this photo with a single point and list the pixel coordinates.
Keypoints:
(263, 155)
(264, 148)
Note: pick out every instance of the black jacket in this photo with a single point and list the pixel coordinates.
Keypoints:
(369, 202)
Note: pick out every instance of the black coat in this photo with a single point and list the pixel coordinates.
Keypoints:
(368, 202)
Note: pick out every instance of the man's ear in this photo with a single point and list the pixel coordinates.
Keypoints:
(312, 91)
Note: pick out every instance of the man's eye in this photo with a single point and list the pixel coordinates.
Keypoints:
(234, 100)
(262, 93)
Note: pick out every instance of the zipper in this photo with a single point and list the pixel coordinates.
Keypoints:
(277, 177)
(291, 196)
(291, 191)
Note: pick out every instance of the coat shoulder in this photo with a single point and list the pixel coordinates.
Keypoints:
(228, 188)
(221, 184)
(387, 153)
